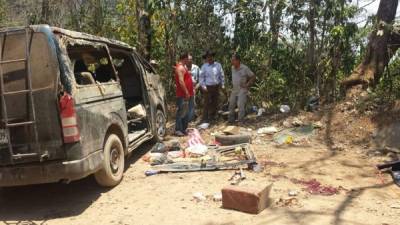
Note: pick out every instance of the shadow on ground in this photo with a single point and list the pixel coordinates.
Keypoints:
(49, 201)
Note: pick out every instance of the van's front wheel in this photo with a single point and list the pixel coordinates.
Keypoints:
(160, 126)
(113, 163)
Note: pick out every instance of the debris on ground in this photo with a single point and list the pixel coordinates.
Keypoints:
(198, 196)
(246, 199)
(197, 150)
(312, 103)
(231, 130)
(217, 197)
(298, 135)
(393, 168)
(204, 126)
(237, 177)
(287, 202)
(284, 109)
(318, 125)
(194, 138)
(293, 193)
(284, 139)
(297, 122)
(217, 158)
(260, 112)
(395, 205)
(267, 130)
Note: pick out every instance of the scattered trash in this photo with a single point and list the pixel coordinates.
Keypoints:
(297, 122)
(284, 139)
(258, 168)
(197, 150)
(293, 193)
(287, 202)
(159, 158)
(231, 130)
(176, 154)
(297, 135)
(303, 130)
(194, 138)
(204, 126)
(159, 148)
(217, 197)
(260, 112)
(217, 158)
(318, 124)
(395, 206)
(393, 168)
(316, 188)
(338, 147)
(267, 130)
(284, 108)
(312, 104)
(199, 196)
(151, 172)
(237, 177)
(286, 124)
(173, 145)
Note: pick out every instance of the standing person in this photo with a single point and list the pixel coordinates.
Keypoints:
(195, 72)
(242, 79)
(184, 95)
(211, 80)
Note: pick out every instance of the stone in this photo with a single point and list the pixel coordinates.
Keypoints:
(245, 199)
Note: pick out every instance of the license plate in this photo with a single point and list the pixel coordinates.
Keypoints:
(3, 136)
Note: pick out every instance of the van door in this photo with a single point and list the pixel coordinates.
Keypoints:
(29, 74)
(152, 80)
(98, 95)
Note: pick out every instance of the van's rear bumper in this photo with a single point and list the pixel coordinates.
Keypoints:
(50, 172)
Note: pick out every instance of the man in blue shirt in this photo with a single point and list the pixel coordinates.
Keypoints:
(211, 80)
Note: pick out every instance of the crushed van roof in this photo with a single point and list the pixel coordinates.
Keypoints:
(71, 34)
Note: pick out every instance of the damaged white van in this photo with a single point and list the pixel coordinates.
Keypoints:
(72, 105)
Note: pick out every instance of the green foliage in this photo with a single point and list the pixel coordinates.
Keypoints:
(2, 12)
(296, 48)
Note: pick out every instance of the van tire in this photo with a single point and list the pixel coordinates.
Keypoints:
(160, 126)
(113, 163)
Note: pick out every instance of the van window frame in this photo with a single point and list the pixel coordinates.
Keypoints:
(95, 45)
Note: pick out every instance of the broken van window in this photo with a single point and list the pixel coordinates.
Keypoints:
(90, 64)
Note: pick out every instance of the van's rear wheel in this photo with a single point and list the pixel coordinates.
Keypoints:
(113, 163)
(160, 126)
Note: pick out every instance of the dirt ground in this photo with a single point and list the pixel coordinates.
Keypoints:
(365, 196)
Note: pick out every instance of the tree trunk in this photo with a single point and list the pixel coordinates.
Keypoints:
(311, 41)
(45, 12)
(144, 27)
(377, 56)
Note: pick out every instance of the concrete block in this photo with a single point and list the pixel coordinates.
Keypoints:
(246, 199)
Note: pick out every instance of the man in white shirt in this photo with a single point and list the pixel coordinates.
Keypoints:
(195, 72)
(211, 80)
(242, 79)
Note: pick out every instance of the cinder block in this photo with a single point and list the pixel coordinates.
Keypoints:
(245, 199)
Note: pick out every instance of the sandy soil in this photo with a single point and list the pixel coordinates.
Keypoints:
(365, 196)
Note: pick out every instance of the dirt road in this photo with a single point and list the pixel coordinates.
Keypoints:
(365, 197)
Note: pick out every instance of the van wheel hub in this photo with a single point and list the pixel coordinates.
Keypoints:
(114, 160)
(160, 125)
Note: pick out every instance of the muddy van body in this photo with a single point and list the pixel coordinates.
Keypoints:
(72, 105)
